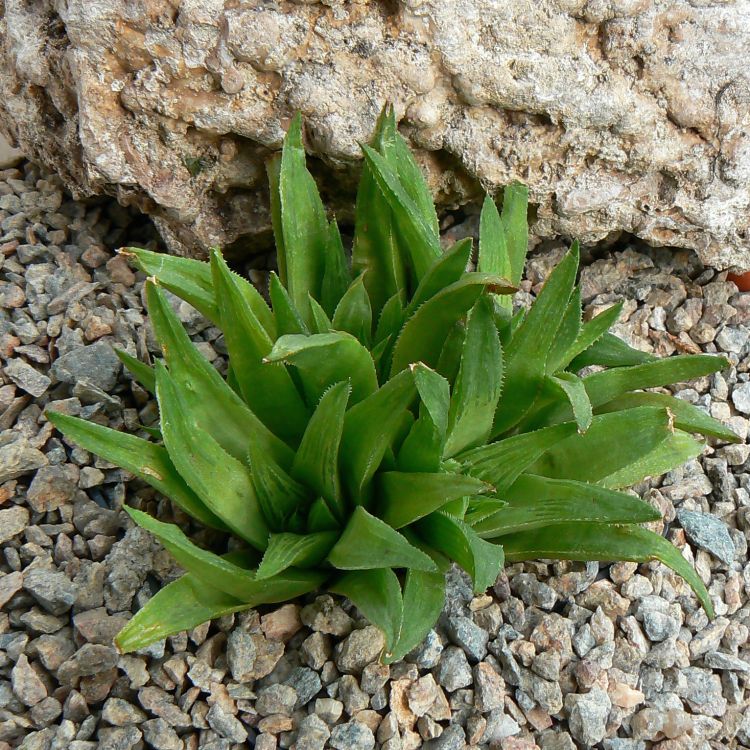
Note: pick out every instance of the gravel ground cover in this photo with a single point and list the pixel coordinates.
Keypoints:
(556, 656)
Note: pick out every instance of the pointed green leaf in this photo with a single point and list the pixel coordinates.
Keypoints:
(302, 551)
(575, 392)
(303, 222)
(278, 495)
(216, 572)
(354, 314)
(146, 460)
(377, 595)
(316, 461)
(189, 602)
(262, 386)
(446, 270)
(391, 319)
(375, 252)
(675, 451)
(686, 416)
(370, 428)
(526, 353)
(434, 394)
(609, 351)
(143, 373)
(287, 317)
(609, 384)
(502, 462)
(516, 227)
(273, 170)
(493, 249)
(181, 605)
(405, 497)
(320, 517)
(481, 508)
(534, 501)
(424, 334)
(591, 332)
(422, 448)
(367, 542)
(212, 570)
(320, 322)
(601, 542)
(212, 405)
(191, 280)
(449, 361)
(400, 158)
(196, 455)
(425, 593)
(327, 358)
(567, 334)
(613, 442)
(416, 234)
(336, 276)
(478, 384)
(482, 560)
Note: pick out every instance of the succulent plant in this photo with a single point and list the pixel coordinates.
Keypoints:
(390, 413)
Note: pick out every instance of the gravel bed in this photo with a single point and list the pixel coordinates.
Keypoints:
(556, 656)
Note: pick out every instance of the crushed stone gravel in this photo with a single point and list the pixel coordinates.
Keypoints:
(557, 655)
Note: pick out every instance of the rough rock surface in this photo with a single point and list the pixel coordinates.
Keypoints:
(621, 115)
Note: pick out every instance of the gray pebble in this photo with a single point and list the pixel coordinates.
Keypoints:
(453, 671)
(27, 686)
(96, 364)
(466, 633)
(452, 738)
(19, 458)
(702, 690)
(547, 665)
(553, 740)
(427, 654)
(120, 713)
(741, 398)
(27, 378)
(324, 616)
(659, 626)
(709, 533)
(53, 590)
(312, 734)
(489, 688)
(241, 653)
(90, 659)
(533, 592)
(225, 724)
(499, 726)
(119, 738)
(718, 660)
(329, 709)
(306, 683)
(359, 649)
(276, 699)
(587, 715)
(547, 694)
(352, 736)
(12, 521)
(160, 735)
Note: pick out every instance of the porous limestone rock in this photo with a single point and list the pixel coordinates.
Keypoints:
(621, 115)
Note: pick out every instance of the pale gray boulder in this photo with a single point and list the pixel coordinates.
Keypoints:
(621, 115)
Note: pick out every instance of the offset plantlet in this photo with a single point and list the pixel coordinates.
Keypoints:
(390, 413)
